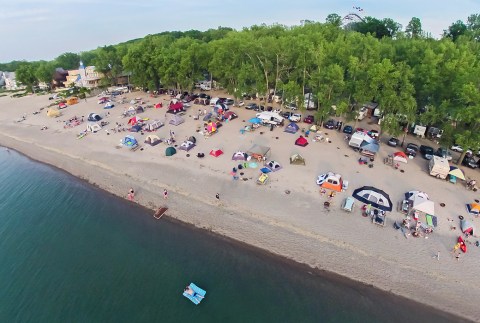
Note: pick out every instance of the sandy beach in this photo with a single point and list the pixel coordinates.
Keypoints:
(295, 225)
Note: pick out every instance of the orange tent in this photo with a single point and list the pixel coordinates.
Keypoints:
(330, 181)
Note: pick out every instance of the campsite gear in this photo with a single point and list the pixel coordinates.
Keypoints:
(153, 140)
(463, 246)
(388, 160)
(187, 145)
(472, 185)
(378, 217)
(301, 141)
(130, 142)
(274, 166)
(348, 204)
(473, 208)
(456, 172)
(373, 196)
(262, 179)
(216, 152)
(265, 170)
(170, 151)
(439, 167)
(194, 293)
(292, 128)
(467, 227)
(297, 159)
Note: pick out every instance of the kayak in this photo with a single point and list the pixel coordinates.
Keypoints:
(463, 246)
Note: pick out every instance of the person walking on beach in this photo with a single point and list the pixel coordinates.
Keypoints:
(131, 195)
(217, 196)
(165, 194)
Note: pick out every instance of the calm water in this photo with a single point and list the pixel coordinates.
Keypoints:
(72, 253)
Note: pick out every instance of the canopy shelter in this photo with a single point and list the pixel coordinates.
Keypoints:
(187, 145)
(401, 157)
(297, 159)
(109, 105)
(211, 127)
(175, 107)
(170, 151)
(292, 128)
(93, 127)
(53, 112)
(467, 227)
(154, 125)
(259, 152)
(370, 146)
(373, 196)
(176, 120)
(133, 120)
(152, 140)
(301, 141)
(239, 155)
(457, 172)
(473, 208)
(216, 152)
(274, 165)
(421, 204)
(255, 120)
(129, 141)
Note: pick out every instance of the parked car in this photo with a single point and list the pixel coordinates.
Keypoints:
(348, 130)
(457, 148)
(469, 162)
(228, 101)
(443, 152)
(393, 142)
(427, 152)
(330, 124)
(309, 119)
(296, 117)
(251, 106)
(292, 106)
(411, 149)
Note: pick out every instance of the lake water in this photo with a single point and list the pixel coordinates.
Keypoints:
(72, 253)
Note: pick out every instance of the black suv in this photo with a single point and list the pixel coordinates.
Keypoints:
(252, 106)
(427, 152)
(330, 124)
(411, 150)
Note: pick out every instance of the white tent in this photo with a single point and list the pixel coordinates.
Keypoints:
(93, 127)
(421, 204)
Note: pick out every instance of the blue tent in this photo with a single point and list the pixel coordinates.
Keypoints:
(136, 128)
(265, 170)
(292, 128)
(255, 120)
(129, 141)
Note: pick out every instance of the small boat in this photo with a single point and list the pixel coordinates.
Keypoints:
(463, 246)
(194, 293)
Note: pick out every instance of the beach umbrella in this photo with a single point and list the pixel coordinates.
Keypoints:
(373, 196)
(255, 121)
(457, 172)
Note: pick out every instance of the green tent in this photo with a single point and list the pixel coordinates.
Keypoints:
(170, 151)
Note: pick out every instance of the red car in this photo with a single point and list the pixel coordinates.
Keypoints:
(309, 119)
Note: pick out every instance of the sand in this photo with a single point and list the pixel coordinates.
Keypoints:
(295, 225)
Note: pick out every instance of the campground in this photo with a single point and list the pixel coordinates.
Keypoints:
(286, 216)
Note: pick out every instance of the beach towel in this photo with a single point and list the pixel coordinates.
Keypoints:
(429, 219)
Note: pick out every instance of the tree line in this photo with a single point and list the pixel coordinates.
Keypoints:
(414, 77)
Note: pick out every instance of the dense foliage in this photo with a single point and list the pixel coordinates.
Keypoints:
(414, 78)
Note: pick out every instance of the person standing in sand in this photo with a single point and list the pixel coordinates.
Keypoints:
(165, 194)
(131, 195)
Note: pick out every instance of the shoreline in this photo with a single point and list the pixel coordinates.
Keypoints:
(264, 253)
(294, 227)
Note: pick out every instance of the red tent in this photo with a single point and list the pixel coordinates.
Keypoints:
(133, 120)
(216, 153)
(175, 107)
(301, 141)
(158, 105)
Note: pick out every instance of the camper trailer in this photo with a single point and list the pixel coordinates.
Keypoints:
(270, 118)
(356, 140)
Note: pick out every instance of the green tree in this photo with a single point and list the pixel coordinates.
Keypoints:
(68, 61)
(25, 74)
(334, 19)
(414, 28)
(109, 62)
(455, 30)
